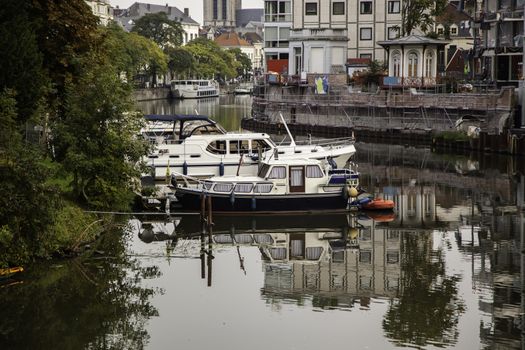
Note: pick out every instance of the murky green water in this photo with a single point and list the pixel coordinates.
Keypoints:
(444, 272)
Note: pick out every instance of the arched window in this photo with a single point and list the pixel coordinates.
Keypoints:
(429, 65)
(396, 64)
(412, 64)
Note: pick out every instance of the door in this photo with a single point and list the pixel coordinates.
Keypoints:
(297, 179)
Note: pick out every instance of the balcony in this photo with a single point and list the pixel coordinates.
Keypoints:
(318, 34)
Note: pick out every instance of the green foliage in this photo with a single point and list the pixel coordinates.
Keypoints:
(96, 138)
(244, 63)
(62, 72)
(159, 28)
(180, 61)
(211, 60)
(420, 14)
(131, 53)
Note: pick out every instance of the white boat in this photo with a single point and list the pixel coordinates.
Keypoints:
(280, 186)
(197, 88)
(243, 89)
(197, 146)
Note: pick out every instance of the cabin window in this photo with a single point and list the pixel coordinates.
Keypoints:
(207, 185)
(262, 144)
(278, 253)
(223, 187)
(243, 188)
(263, 238)
(314, 171)
(263, 188)
(217, 147)
(278, 172)
(313, 253)
(239, 146)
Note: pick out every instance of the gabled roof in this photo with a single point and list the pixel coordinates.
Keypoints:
(413, 40)
(252, 37)
(231, 39)
(139, 9)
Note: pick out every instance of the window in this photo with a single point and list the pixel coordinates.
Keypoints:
(454, 30)
(243, 188)
(313, 171)
(366, 7)
(223, 187)
(338, 8)
(263, 188)
(392, 33)
(365, 33)
(396, 64)
(277, 172)
(365, 55)
(260, 144)
(412, 64)
(311, 9)
(440, 30)
(365, 256)
(429, 62)
(217, 147)
(394, 6)
(239, 146)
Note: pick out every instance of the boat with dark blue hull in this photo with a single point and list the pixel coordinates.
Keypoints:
(280, 186)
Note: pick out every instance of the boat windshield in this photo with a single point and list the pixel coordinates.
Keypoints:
(263, 170)
(201, 127)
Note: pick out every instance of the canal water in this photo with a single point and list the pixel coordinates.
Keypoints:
(444, 272)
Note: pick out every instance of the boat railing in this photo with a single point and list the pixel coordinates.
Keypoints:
(341, 141)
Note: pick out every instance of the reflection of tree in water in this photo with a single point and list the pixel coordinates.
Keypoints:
(428, 309)
(85, 303)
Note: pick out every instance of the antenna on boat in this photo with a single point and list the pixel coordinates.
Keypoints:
(292, 142)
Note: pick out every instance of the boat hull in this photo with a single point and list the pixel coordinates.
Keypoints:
(192, 199)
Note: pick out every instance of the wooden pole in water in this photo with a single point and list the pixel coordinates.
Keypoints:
(210, 232)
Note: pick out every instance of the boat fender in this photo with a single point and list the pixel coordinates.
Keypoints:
(221, 169)
(254, 203)
(185, 168)
(173, 181)
(232, 198)
(352, 191)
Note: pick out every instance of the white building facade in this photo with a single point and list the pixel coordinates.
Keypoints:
(277, 24)
(327, 32)
(102, 9)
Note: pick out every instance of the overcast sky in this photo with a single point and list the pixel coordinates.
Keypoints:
(195, 6)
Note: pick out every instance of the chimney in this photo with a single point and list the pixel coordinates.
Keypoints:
(186, 12)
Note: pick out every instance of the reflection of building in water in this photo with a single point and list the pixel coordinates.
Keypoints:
(415, 204)
(335, 274)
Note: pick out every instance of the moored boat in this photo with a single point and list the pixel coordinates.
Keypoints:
(194, 88)
(197, 146)
(280, 186)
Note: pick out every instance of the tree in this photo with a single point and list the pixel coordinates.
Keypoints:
(159, 28)
(132, 54)
(420, 14)
(211, 60)
(180, 61)
(97, 139)
(244, 62)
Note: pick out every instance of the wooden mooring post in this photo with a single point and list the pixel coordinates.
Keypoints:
(206, 227)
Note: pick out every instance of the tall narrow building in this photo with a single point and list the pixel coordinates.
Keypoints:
(220, 13)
